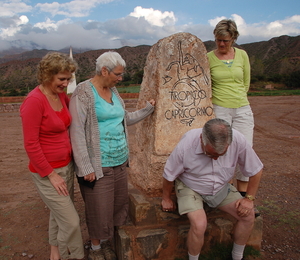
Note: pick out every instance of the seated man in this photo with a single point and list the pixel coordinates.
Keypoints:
(202, 164)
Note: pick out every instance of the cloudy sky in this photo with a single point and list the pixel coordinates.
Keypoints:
(98, 24)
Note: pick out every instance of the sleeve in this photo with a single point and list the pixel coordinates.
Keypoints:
(78, 137)
(136, 116)
(32, 115)
(247, 71)
(174, 165)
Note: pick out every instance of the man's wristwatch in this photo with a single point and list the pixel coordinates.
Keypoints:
(250, 197)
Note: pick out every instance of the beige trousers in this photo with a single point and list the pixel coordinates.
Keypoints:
(64, 223)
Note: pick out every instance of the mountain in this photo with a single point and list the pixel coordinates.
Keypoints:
(278, 56)
(22, 54)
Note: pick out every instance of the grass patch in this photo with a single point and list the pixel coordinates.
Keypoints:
(292, 218)
(263, 92)
(275, 92)
(5, 247)
(223, 251)
(3, 257)
(129, 89)
(288, 220)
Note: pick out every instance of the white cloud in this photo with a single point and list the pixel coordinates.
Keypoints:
(75, 8)
(141, 26)
(274, 26)
(154, 17)
(265, 31)
(15, 27)
(262, 31)
(213, 22)
(292, 20)
(13, 7)
(50, 25)
(240, 22)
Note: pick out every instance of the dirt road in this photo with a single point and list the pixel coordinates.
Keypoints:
(24, 217)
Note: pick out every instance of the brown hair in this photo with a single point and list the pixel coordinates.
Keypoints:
(53, 63)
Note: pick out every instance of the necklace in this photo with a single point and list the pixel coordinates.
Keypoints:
(54, 99)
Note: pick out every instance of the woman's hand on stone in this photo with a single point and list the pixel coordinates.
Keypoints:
(152, 102)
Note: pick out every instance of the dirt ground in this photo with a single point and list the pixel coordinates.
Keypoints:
(24, 217)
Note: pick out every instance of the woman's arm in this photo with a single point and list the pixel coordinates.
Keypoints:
(79, 112)
(31, 113)
(137, 116)
(247, 71)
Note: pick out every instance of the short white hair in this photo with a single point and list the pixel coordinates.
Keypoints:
(109, 60)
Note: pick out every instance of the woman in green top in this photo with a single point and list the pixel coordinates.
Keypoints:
(230, 75)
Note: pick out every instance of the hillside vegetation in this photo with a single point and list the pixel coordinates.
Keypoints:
(275, 62)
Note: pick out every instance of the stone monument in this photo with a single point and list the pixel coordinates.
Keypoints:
(177, 76)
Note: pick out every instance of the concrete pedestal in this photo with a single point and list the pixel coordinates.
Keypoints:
(154, 234)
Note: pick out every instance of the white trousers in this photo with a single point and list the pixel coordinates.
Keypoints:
(241, 119)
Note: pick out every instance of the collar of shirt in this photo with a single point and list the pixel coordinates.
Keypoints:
(198, 147)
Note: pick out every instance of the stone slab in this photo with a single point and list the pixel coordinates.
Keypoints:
(163, 236)
(177, 76)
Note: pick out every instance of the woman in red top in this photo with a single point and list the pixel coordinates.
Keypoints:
(46, 120)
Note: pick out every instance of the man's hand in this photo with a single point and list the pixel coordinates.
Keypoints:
(58, 183)
(244, 207)
(168, 205)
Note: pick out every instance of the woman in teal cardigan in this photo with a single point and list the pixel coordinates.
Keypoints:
(230, 75)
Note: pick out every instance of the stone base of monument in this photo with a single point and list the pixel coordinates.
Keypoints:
(154, 234)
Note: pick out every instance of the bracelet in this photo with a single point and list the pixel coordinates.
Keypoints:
(250, 197)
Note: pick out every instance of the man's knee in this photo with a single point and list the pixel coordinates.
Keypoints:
(198, 225)
(248, 220)
(198, 230)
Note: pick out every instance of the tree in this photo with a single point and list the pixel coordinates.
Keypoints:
(138, 77)
(293, 80)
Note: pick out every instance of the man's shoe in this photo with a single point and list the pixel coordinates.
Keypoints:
(96, 254)
(108, 251)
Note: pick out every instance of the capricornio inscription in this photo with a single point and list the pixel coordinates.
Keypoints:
(187, 115)
(186, 94)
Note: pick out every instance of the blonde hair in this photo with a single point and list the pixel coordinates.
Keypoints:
(225, 28)
(53, 63)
